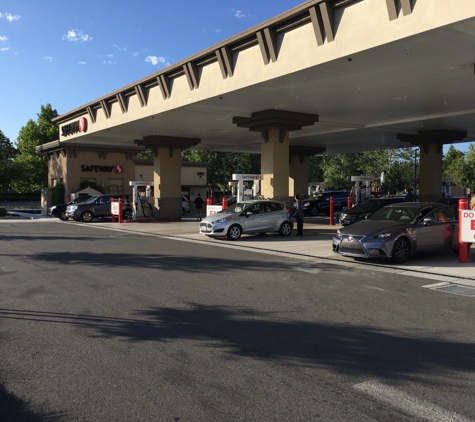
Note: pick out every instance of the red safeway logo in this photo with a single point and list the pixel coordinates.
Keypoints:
(118, 168)
(82, 126)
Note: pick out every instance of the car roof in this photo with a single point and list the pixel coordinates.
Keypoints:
(416, 204)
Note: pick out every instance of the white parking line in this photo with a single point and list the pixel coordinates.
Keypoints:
(419, 408)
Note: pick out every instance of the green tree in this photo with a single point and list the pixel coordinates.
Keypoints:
(31, 166)
(7, 154)
(454, 165)
(222, 165)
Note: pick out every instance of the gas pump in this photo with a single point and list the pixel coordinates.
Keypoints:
(248, 185)
(362, 187)
(142, 199)
(447, 183)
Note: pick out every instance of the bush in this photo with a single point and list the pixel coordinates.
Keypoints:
(57, 194)
(3, 211)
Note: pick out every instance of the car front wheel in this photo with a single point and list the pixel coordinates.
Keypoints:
(401, 251)
(63, 216)
(128, 215)
(314, 211)
(285, 228)
(87, 216)
(234, 232)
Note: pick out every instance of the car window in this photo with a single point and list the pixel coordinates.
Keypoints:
(394, 214)
(273, 206)
(104, 200)
(446, 214)
(423, 213)
(256, 208)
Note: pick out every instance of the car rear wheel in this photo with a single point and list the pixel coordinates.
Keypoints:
(344, 208)
(63, 216)
(314, 211)
(87, 216)
(128, 215)
(285, 228)
(234, 232)
(401, 251)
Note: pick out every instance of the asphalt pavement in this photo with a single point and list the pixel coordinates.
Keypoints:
(443, 267)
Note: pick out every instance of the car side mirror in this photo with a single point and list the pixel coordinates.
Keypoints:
(428, 221)
(248, 213)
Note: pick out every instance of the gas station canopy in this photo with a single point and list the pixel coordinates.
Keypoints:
(339, 75)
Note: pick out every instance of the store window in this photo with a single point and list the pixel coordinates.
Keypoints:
(116, 186)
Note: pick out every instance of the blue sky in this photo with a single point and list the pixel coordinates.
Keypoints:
(69, 53)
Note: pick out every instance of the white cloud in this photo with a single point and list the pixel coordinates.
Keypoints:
(4, 48)
(238, 14)
(135, 53)
(81, 62)
(9, 17)
(3, 39)
(48, 58)
(110, 55)
(120, 48)
(76, 35)
(109, 62)
(154, 60)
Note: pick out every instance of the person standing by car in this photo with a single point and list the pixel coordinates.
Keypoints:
(410, 196)
(297, 213)
(198, 206)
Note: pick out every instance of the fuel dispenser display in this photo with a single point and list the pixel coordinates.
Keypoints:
(142, 199)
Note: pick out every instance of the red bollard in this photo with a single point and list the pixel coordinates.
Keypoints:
(463, 205)
(112, 215)
(332, 210)
(209, 201)
(121, 220)
(214, 200)
(225, 203)
(349, 204)
(67, 200)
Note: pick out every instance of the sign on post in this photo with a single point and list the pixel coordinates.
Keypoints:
(467, 226)
(115, 208)
(213, 209)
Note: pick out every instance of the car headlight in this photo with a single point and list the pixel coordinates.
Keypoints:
(338, 233)
(52, 208)
(222, 220)
(342, 215)
(72, 208)
(306, 204)
(382, 235)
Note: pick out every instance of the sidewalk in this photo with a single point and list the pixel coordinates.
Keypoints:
(315, 246)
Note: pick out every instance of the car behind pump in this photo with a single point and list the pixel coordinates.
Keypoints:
(99, 207)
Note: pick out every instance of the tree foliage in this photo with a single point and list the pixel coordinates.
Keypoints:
(224, 164)
(32, 167)
(7, 154)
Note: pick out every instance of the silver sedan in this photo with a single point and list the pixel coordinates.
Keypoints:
(398, 231)
(248, 217)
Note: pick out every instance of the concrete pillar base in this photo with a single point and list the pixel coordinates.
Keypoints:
(169, 208)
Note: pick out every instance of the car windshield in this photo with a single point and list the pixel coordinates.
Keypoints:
(401, 213)
(90, 201)
(363, 206)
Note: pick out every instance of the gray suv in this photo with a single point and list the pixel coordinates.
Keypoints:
(98, 208)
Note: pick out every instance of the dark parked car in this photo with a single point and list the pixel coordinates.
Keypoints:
(401, 230)
(98, 208)
(60, 210)
(454, 200)
(321, 204)
(364, 209)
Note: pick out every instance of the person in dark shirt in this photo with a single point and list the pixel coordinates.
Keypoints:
(410, 196)
(298, 214)
(198, 206)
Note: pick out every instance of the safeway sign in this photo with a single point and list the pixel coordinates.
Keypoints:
(467, 226)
